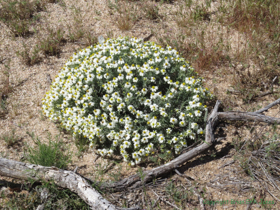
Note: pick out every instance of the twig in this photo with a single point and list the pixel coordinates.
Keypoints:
(272, 194)
(147, 38)
(2, 61)
(177, 172)
(62, 178)
(183, 175)
(75, 170)
(266, 93)
(199, 198)
(269, 178)
(248, 116)
(98, 156)
(155, 203)
(108, 168)
(270, 141)
(227, 164)
(166, 201)
(268, 106)
(227, 156)
(132, 208)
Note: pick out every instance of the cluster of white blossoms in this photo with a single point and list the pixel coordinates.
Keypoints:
(128, 97)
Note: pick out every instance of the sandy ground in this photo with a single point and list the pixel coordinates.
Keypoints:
(228, 183)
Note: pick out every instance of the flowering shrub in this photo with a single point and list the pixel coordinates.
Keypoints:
(128, 97)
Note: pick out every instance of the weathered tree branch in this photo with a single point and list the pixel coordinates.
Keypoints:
(65, 179)
(248, 116)
(268, 106)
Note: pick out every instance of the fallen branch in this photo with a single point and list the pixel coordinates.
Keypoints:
(248, 116)
(268, 106)
(62, 178)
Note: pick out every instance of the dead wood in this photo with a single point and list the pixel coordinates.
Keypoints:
(268, 106)
(62, 178)
(248, 116)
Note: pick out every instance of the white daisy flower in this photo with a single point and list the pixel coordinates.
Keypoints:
(127, 85)
(200, 131)
(168, 130)
(182, 123)
(154, 107)
(144, 91)
(173, 120)
(197, 113)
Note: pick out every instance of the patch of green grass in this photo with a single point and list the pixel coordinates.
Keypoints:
(3, 105)
(90, 39)
(76, 31)
(178, 194)
(50, 45)
(127, 15)
(82, 144)
(29, 58)
(200, 13)
(151, 10)
(10, 138)
(18, 15)
(52, 154)
(63, 198)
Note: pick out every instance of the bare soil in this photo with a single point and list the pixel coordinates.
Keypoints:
(29, 84)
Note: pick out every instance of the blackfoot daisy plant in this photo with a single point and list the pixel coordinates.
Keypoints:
(129, 98)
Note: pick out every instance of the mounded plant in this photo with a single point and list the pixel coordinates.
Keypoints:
(129, 98)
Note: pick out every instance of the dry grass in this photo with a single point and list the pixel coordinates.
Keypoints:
(234, 45)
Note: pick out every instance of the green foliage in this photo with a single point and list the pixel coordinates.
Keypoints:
(82, 144)
(52, 154)
(116, 175)
(273, 148)
(18, 15)
(157, 97)
(51, 44)
(200, 13)
(63, 198)
(178, 194)
(29, 58)
(151, 11)
(3, 105)
(10, 138)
